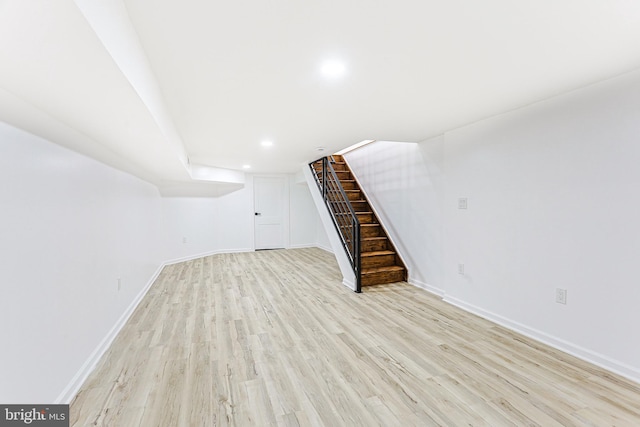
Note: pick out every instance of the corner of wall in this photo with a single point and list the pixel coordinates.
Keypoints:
(431, 289)
(71, 390)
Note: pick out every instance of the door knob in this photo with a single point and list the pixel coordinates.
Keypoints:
(257, 213)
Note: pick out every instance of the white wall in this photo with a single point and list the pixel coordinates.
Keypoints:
(553, 202)
(234, 225)
(189, 227)
(200, 226)
(306, 228)
(322, 239)
(70, 228)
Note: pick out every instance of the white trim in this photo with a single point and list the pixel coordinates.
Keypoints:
(324, 248)
(302, 246)
(580, 352)
(189, 258)
(425, 286)
(205, 254)
(232, 251)
(89, 365)
(349, 284)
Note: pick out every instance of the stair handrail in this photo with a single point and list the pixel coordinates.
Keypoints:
(339, 206)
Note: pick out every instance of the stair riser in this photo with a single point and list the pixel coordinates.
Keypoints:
(349, 185)
(360, 206)
(363, 218)
(378, 261)
(339, 167)
(343, 175)
(382, 277)
(366, 218)
(354, 195)
(340, 173)
(375, 245)
(370, 231)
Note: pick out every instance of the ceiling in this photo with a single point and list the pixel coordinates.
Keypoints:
(182, 93)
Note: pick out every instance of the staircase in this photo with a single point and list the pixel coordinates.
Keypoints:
(379, 261)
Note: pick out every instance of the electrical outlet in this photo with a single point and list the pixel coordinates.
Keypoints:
(184, 240)
(561, 296)
(119, 283)
(462, 203)
(460, 268)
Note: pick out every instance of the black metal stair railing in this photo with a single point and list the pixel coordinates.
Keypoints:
(344, 217)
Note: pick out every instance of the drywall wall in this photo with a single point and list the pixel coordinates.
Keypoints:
(322, 239)
(234, 222)
(403, 182)
(79, 243)
(306, 225)
(201, 226)
(189, 227)
(305, 222)
(552, 203)
(551, 192)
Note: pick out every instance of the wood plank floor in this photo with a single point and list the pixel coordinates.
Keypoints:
(272, 338)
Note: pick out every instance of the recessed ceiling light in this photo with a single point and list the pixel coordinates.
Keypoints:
(333, 69)
(320, 148)
(266, 143)
(246, 166)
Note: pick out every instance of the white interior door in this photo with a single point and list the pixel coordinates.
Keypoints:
(269, 203)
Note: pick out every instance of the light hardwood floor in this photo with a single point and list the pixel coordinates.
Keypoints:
(273, 338)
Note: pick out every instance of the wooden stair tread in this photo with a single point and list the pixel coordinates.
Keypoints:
(381, 269)
(375, 237)
(377, 253)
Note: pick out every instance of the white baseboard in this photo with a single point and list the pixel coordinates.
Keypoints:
(204, 254)
(233, 251)
(83, 373)
(302, 246)
(597, 359)
(431, 289)
(349, 284)
(325, 248)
